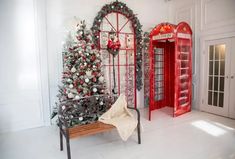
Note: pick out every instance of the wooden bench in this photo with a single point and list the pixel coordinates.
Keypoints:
(86, 130)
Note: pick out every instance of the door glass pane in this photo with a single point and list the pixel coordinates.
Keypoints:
(215, 98)
(216, 71)
(222, 67)
(211, 68)
(210, 83)
(221, 99)
(217, 48)
(211, 52)
(209, 98)
(216, 67)
(216, 83)
(221, 87)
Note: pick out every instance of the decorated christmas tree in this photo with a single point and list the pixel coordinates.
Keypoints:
(82, 75)
(81, 79)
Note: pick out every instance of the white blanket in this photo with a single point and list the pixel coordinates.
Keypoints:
(119, 116)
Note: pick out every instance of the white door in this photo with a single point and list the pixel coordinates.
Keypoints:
(219, 77)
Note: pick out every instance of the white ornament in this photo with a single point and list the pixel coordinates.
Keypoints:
(63, 107)
(69, 80)
(101, 103)
(71, 86)
(80, 118)
(73, 69)
(101, 79)
(70, 95)
(77, 97)
(85, 63)
(94, 89)
(87, 80)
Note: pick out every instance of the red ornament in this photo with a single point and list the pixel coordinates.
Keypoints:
(93, 58)
(81, 82)
(94, 73)
(81, 67)
(94, 79)
(79, 90)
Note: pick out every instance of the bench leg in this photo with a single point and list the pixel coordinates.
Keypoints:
(61, 140)
(68, 146)
(139, 135)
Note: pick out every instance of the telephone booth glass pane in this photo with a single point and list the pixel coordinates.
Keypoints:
(159, 74)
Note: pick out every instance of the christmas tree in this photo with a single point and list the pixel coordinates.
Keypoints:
(82, 75)
(81, 79)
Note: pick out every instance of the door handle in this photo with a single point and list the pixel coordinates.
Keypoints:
(226, 76)
(232, 77)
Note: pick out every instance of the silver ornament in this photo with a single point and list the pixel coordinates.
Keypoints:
(71, 86)
(73, 69)
(80, 118)
(77, 97)
(94, 90)
(87, 80)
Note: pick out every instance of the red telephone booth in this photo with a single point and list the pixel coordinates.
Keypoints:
(171, 68)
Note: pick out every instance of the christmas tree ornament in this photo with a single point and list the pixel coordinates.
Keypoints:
(63, 107)
(87, 80)
(70, 95)
(73, 69)
(77, 97)
(101, 103)
(80, 118)
(71, 86)
(94, 90)
(94, 79)
(101, 79)
(69, 80)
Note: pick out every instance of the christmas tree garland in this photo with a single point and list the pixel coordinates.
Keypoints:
(120, 7)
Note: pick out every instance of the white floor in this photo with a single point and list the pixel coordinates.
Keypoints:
(195, 135)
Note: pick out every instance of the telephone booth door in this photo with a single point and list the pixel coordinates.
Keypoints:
(183, 69)
(170, 68)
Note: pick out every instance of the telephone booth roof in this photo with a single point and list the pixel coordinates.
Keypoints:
(165, 31)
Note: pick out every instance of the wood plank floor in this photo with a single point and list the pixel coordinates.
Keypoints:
(196, 135)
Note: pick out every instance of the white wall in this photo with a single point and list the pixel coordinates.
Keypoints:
(209, 19)
(60, 18)
(21, 88)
